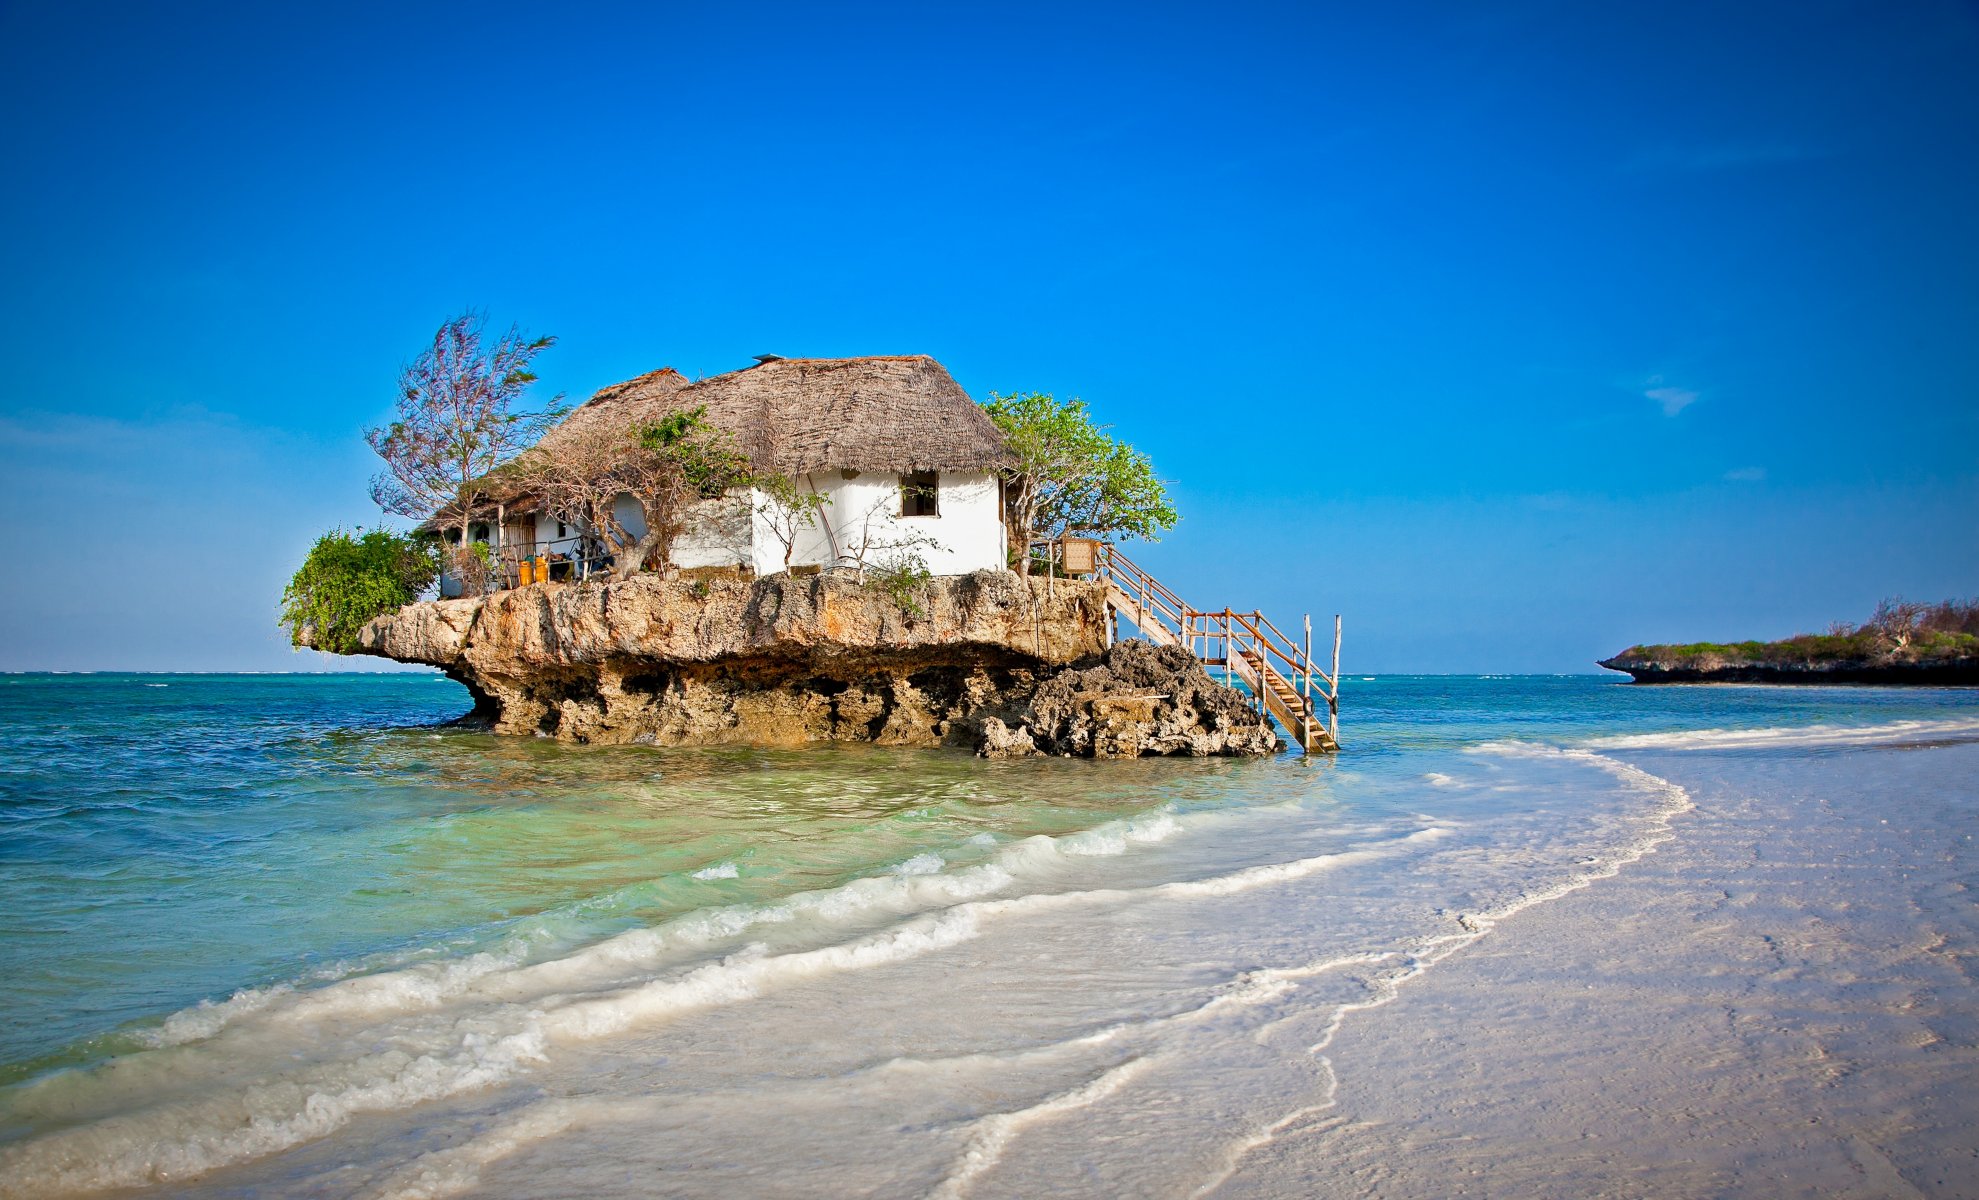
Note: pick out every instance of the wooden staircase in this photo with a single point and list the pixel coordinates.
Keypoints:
(1284, 682)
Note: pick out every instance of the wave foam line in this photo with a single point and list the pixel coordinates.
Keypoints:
(1672, 801)
(1806, 736)
(995, 1132)
(457, 1169)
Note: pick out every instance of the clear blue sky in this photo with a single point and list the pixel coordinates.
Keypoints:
(1515, 337)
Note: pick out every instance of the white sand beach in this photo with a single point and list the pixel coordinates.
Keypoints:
(1779, 1002)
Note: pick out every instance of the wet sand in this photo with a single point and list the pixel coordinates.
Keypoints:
(1779, 1002)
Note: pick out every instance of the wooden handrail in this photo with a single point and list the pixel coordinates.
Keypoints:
(1286, 680)
(1288, 653)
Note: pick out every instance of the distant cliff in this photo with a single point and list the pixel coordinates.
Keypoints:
(787, 661)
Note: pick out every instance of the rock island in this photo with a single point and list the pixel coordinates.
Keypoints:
(822, 550)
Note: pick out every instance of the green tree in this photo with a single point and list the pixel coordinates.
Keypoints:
(1072, 477)
(350, 578)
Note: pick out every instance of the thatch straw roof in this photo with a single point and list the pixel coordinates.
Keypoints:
(880, 413)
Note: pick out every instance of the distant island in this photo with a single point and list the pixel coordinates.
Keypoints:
(1903, 643)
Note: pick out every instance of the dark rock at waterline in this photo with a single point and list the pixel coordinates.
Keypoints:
(1955, 672)
(1136, 699)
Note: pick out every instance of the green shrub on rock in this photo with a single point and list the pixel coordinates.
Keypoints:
(350, 578)
(902, 578)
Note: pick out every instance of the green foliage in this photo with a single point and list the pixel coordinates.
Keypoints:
(474, 566)
(352, 577)
(1072, 477)
(902, 578)
(708, 463)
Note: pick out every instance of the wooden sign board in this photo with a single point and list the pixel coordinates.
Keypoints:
(1076, 556)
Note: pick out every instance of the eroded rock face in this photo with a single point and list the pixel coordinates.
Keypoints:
(1137, 699)
(791, 661)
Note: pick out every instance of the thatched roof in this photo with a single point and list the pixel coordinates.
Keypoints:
(880, 413)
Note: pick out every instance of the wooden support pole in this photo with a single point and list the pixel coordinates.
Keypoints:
(1333, 701)
(1305, 663)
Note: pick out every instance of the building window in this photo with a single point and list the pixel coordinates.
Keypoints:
(561, 531)
(920, 494)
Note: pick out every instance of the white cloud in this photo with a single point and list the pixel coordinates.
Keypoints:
(1673, 399)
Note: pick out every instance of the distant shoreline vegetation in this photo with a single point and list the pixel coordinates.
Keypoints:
(1902, 639)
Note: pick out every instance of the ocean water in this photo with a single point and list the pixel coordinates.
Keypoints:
(294, 935)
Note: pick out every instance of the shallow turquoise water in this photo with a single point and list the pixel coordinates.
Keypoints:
(167, 842)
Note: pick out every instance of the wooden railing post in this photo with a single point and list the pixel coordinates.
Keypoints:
(1306, 662)
(1333, 701)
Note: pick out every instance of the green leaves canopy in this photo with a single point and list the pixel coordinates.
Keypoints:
(1074, 478)
(350, 578)
(708, 464)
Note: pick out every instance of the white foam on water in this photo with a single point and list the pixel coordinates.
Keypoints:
(423, 985)
(1809, 736)
(1270, 873)
(1117, 837)
(920, 864)
(177, 1141)
(457, 1169)
(725, 870)
(995, 1132)
(208, 1017)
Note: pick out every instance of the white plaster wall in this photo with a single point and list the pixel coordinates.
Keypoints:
(716, 533)
(628, 514)
(968, 535)
(547, 536)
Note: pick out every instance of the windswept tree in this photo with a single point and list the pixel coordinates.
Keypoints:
(1072, 478)
(665, 466)
(461, 416)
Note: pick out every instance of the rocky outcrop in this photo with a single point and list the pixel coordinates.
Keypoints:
(1135, 700)
(988, 660)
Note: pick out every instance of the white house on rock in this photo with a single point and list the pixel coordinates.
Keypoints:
(905, 461)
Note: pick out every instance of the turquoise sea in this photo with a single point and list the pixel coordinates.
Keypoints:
(297, 934)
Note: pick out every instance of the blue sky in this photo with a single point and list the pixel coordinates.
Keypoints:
(1514, 337)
